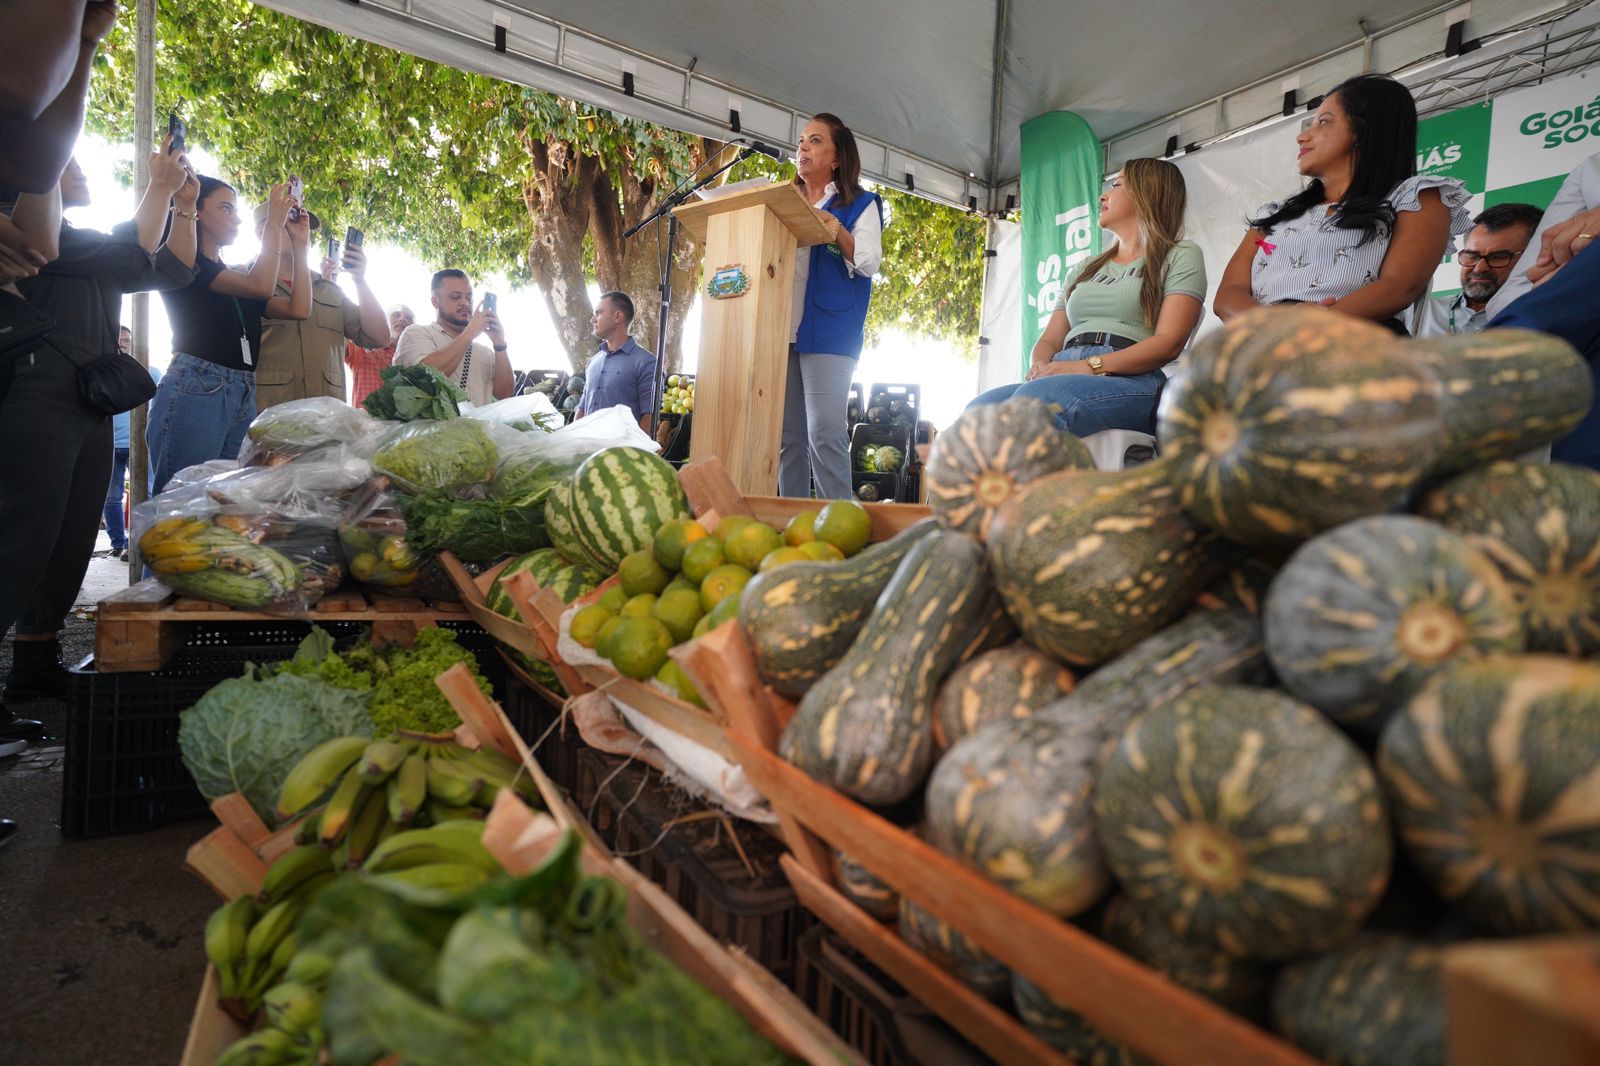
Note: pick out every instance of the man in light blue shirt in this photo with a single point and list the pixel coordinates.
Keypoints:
(119, 463)
(623, 373)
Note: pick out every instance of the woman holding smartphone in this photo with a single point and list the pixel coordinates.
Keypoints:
(206, 401)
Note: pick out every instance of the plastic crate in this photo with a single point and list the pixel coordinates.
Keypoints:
(907, 397)
(869, 1011)
(534, 377)
(666, 834)
(677, 448)
(556, 747)
(854, 410)
(122, 770)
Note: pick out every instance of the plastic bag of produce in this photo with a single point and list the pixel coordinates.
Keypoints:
(434, 456)
(529, 471)
(380, 556)
(193, 475)
(283, 433)
(531, 412)
(476, 530)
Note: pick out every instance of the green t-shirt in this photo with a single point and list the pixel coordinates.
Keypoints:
(1109, 301)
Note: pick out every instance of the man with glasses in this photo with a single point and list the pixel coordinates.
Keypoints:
(1488, 253)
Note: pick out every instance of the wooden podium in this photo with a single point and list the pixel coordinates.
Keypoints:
(744, 339)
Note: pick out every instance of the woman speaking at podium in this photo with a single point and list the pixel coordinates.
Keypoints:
(832, 288)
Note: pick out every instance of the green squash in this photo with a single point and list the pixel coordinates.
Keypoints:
(800, 619)
(1506, 392)
(1539, 524)
(866, 727)
(1066, 1030)
(995, 628)
(1294, 420)
(1376, 1001)
(1362, 616)
(865, 889)
(1244, 820)
(1092, 562)
(988, 454)
(1243, 586)
(949, 950)
(1009, 682)
(1494, 778)
(1237, 984)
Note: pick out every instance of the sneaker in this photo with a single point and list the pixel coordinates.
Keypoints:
(14, 728)
(9, 748)
(123, 555)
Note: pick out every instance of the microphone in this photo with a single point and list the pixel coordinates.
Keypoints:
(754, 147)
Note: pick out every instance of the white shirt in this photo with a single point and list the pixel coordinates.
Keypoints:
(423, 339)
(1443, 315)
(1580, 192)
(868, 232)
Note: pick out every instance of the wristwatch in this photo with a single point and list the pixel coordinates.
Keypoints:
(1097, 365)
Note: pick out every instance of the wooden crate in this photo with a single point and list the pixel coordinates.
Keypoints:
(141, 627)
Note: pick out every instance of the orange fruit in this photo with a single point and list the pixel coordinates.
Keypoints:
(721, 583)
(750, 543)
(800, 529)
(845, 525)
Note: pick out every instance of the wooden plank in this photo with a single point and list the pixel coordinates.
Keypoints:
(1124, 999)
(235, 812)
(195, 605)
(211, 1029)
(709, 489)
(1533, 1001)
(397, 604)
(133, 643)
(682, 718)
(805, 223)
(481, 715)
(529, 680)
(986, 1025)
(888, 519)
(340, 600)
(226, 863)
(142, 596)
(544, 608)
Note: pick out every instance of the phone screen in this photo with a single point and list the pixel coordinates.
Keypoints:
(353, 237)
(333, 248)
(489, 301)
(179, 132)
(297, 194)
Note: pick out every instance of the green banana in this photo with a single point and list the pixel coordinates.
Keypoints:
(437, 844)
(364, 829)
(440, 813)
(346, 799)
(270, 930)
(236, 590)
(264, 1047)
(292, 1007)
(305, 831)
(437, 876)
(284, 953)
(316, 772)
(309, 968)
(227, 932)
(286, 876)
(450, 782)
(408, 789)
(380, 759)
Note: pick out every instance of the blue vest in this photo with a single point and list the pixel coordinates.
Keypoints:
(835, 317)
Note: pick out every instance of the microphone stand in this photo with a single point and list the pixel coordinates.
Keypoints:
(678, 196)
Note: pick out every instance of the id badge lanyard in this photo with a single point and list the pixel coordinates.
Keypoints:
(244, 334)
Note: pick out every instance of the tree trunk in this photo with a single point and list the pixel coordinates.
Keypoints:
(557, 194)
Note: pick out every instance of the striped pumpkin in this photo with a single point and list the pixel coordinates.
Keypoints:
(1244, 586)
(1244, 820)
(1506, 392)
(1362, 616)
(1066, 1031)
(539, 563)
(1092, 562)
(1377, 1001)
(988, 454)
(559, 523)
(1009, 682)
(620, 497)
(1494, 778)
(951, 951)
(865, 889)
(1290, 421)
(1237, 984)
(1540, 526)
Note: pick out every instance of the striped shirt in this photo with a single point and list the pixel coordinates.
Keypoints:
(1310, 259)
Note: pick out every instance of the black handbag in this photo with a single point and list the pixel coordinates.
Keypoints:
(115, 383)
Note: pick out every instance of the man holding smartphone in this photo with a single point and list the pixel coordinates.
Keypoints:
(449, 344)
(304, 359)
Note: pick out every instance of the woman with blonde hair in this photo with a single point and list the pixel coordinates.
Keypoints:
(1127, 313)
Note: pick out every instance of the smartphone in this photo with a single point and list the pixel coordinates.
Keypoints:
(297, 194)
(489, 302)
(333, 249)
(353, 237)
(179, 131)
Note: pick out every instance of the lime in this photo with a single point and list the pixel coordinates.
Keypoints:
(780, 556)
(672, 676)
(602, 639)
(821, 551)
(678, 610)
(365, 566)
(845, 525)
(701, 628)
(702, 557)
(721, 583)
(680, 582)
(728, 525)
(799, 530)
(750, 543)
(673, 537)
(638, 606)
(613, 598)
(586, 624)
(639, 647)
(640, 573)
(725, 611)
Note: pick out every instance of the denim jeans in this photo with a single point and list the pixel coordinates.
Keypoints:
(200, 413)
(114, 525)
(1090, 403)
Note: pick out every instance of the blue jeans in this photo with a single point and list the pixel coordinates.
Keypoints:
(200, 413)
(113, 515)
(1090, 403)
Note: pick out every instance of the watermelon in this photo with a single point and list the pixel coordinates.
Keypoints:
(1290, 421)
(1376, 1001)
(1540, 526)
(949, 950)
(1245, 821)
(1066, 1031)
(538, 563)
(1494, 777)
(620, 497)
(1362, 616)
(559, 524)
(1237, 984)
(1009, 682)
(573, 580)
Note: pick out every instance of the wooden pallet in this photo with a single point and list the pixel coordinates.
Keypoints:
(144, 625)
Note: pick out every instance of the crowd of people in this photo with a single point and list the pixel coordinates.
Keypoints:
(1363, 236)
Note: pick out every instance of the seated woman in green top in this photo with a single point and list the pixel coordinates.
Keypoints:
(1128, 313)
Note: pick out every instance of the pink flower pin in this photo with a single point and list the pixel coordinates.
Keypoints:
(1266, 245)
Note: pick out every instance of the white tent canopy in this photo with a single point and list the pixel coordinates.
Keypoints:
(916, 79)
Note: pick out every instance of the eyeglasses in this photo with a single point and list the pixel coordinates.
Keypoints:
(1494, 259)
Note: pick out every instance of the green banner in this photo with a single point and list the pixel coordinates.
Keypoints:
(1060, 213)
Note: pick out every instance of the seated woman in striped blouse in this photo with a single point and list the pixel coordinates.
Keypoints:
(1365, 236)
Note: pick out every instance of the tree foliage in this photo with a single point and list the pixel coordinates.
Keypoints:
(467, 171)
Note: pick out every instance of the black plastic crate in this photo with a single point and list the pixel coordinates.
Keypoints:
(911, 488)
(534, 377)
(875, 488)
(854, 410)
(901, 405)
(122, 770)
(676, 450)
(675, 841)
(869, 1011)
(867, 435)
(554, 743)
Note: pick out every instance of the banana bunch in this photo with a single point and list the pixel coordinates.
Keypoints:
(251, 946)
(375, 788)
(199, 557)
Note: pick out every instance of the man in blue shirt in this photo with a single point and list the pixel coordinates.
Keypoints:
(623, 373)
(120, 424)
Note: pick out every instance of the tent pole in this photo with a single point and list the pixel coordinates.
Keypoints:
(144, 117)
(1002, 16)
